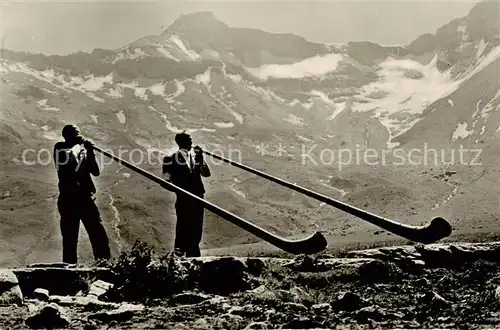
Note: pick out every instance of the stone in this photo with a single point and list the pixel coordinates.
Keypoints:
(374, 313)
(497, 293)
(48, 317)
(122, 313)
(41, 294)
(299, 295)
(263, 293)
(10, 291)
(60, 280)
(422, 282)
(257, 325)
(435, 300)
(99, 288)
(223, 276)
(81, 301)
(303, 323)
(189, 298)
(247, 310)
(347, 301)
(201, 324)
(378, 271)
(296, 307)
(52, 265)
(321, 308)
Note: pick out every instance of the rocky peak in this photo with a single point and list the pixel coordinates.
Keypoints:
(199, 21)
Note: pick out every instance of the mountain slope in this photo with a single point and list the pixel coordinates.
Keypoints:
(303, 111)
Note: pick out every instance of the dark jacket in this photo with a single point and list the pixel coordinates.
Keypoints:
(74, 172)
(181, 175)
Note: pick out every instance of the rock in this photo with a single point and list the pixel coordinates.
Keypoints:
(48, 317)
(123, 313)
(374, 313)
(60, 281)
(10, 291)
(41, 294)
(303, 323)
(497, 293)
(347, 301)
(248, 310)
(201, 324)
(189, 298)
(263, 293)
(299, 295)
(321, 308)
(52, 265)
(295, 307)
(306, 263)
(223, 276)
(379, 271)
(81, 301)
(422, 282)
(99, 288)
(255, 266)
(257, 325)
(435, 300)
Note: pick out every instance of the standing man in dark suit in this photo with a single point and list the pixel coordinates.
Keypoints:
(75, 161)
(185, 171)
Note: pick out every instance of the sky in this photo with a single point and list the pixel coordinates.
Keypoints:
(63, 27)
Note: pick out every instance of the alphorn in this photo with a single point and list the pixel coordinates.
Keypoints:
(312, 244)
(437, 229)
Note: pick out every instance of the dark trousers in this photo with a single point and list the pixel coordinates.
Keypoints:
(72, 209)
(189, 227)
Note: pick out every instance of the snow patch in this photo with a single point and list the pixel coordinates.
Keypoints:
(121, 117)
(487, 60)
(224, 125)
(322, 96)
(461, 131)
(450, 102)
(93, 84)
(127, 54)
(158, 89)
(168, 124)
(42, 105)
(338, 108)
(316, 66)
(480, 48)
(295, 120)
(139, 92)
(165, 52)
(204, 78)
(189, 53)
(42, 102)
(115, 92)
(94, 118)
(404, 93)
(49, 91)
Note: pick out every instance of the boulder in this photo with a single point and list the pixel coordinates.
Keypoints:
(347, 301)
(41, 294)
(49, 316)
(10, 291)
(99, 288)
(224, 276)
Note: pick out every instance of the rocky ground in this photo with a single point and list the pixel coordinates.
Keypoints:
(433, 286)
